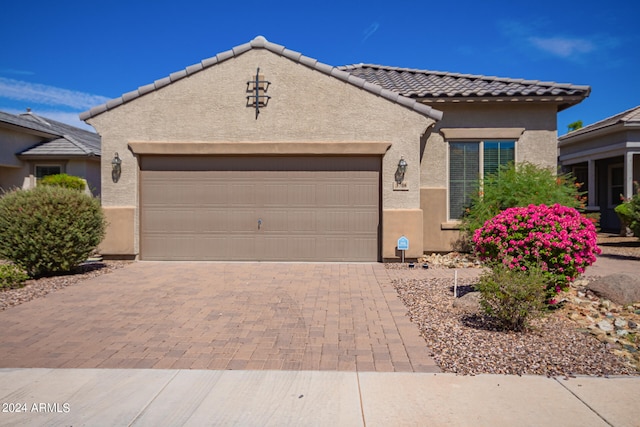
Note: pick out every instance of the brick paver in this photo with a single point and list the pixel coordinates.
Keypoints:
(283, 316)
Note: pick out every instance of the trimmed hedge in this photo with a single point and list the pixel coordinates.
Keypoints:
(49, 229)
(63, 180)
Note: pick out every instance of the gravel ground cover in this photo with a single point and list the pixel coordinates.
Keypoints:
(468, 342)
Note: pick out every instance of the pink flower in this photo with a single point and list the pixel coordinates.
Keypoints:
(557, 237)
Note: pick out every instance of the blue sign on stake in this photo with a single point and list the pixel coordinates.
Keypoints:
(403, 244)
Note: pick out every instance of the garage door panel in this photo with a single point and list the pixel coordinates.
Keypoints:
(334, 221)
(274, 195)
(241, 220)
(302, 221)
(303, 195)
(312, 208)
(242, 194)
(157, 218)
(241, 247)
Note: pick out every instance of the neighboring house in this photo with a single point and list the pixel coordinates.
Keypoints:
(32, 147)
(605, 156)
(261, 153)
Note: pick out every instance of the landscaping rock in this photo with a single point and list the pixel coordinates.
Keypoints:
(468, 302)
(605, 325)
(620, 288)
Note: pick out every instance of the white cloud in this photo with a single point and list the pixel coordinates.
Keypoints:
(540, 36)
(369, 31)
(563, 47)
(48, 95)
(18, 72)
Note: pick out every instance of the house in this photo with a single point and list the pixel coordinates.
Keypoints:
(262, 153)
(606, 157)
(32, 147)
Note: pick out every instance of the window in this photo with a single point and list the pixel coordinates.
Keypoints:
(44, 170)
(465, 172)
(616, 184)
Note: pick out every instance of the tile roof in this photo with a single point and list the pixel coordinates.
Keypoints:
(262, 43)
(629, 117)
(62, 139)
(429, 85)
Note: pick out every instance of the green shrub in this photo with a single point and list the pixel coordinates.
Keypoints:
(625, 213)
(633, 205)
(63, 180)
(11, 276)
(517, 185)
(49, 229)
(513, 297)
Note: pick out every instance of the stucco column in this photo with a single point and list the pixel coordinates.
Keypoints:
(628, 175)
(591, 186)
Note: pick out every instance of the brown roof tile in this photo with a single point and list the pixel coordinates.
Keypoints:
(437, 85)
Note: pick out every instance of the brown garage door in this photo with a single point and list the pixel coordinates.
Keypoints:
(260, 208)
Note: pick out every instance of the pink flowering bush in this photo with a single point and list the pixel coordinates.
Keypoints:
(556, 238)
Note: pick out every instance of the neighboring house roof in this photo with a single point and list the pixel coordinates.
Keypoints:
(262, 43)
(434, 86)
(627, 118)
(62, 139)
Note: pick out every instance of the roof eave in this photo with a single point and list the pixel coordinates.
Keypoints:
(579, 135)
(563, 102)
(57, 156)
(29, 130)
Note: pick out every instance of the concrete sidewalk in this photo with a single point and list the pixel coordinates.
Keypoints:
(158, 397)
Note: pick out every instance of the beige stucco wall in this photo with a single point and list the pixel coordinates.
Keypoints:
(305, 106)
(119, 238)
(537, 144)
(402, 222)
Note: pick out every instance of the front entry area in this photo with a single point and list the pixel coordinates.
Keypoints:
(267, 208)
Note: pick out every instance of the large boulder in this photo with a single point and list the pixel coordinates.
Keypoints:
(620, 288)
(469, 302)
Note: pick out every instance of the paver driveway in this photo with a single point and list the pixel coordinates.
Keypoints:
(219, 316)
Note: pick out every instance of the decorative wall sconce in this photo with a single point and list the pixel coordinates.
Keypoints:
(116, 167)
(258, 87)
(399, 183)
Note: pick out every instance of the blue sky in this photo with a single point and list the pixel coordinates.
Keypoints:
(62, 58)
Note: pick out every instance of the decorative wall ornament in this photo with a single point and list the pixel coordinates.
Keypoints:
(116, 168)
(258, 87)
(399, 182)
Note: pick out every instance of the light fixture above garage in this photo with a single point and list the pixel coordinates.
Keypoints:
(401, 170)
(116, 167)
(258, 87)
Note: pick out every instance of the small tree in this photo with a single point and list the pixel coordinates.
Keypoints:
(574, 126)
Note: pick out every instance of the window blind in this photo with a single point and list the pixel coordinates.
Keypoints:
(464, 165)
